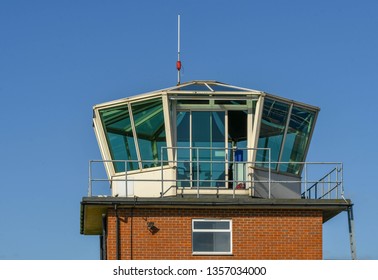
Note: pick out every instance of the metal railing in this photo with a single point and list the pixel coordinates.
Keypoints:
(231, 164)
(195, 173)
(327, 187)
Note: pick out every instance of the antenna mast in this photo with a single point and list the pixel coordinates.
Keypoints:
(178, 63)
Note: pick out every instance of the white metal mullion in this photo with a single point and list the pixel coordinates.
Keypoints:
(256, 127)
(226, 177)
(101, 138)
(190, 149)
(211, 146)
(135, 137)
(250, 129)
(168, 132)
(174, 130)
(209, 87)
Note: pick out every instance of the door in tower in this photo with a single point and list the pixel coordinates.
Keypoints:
(201, 154)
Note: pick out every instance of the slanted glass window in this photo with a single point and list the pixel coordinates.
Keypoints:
(218, 87)
(272, 129)
(212, 237)
(297, 137)
(149, 126)
(119, 134)
(195, 87)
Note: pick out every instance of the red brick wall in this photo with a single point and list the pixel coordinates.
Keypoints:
(257, 234)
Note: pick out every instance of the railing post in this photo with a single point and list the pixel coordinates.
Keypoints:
(197, 155)
(305, 170)
(161, 171)
(270, 169)
(342, 180)
(337, 181)
(90, 179)
(329, 185)
(126, 186)
(234, 172)
(316, 192)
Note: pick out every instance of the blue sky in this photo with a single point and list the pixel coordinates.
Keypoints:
(59, 58)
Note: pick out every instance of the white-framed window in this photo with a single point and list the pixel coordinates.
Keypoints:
(211, 236)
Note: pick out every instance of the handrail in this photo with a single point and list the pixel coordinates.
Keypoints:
(328, 186)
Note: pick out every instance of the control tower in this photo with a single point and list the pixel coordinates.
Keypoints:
(207, 170)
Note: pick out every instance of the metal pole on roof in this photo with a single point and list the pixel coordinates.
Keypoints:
(178, 63)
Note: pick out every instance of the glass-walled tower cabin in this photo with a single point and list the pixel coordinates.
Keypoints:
(204, 137)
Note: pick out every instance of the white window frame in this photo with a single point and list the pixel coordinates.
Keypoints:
(214, 231)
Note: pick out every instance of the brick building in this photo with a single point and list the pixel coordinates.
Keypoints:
(206, 170)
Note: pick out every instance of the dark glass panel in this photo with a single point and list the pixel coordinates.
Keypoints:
(211, 242)
(119, 135)
(149, 126)
(272, 129)
(217, 87)
(195, 87)
(189, 102)
(297, 139)
(231, 102)
(183, 152)
(211, 225)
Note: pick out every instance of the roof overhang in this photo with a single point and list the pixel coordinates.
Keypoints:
(92, 208)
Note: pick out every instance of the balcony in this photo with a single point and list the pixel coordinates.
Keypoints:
(209, 171)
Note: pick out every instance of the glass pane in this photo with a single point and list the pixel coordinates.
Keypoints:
(237, 137)
(208, 134)
(273, 123)
(149, 126)
(218, 149)
(300, 126)
(195, 87)
(211, 225)
(117, 126)
(201, 138)
(207, 163)
(183, 151)
(217, 87)
(211, 242)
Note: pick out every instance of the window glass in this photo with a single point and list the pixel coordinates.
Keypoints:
(212, 237)
(272, 129)
(183, 152)
(211, 225)
(195, 87)
(149, 126)
(218, 87)
(237, 138)
(118, 131)
(237, 131)
(300, 126)
(208, 134)
(211, 242)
